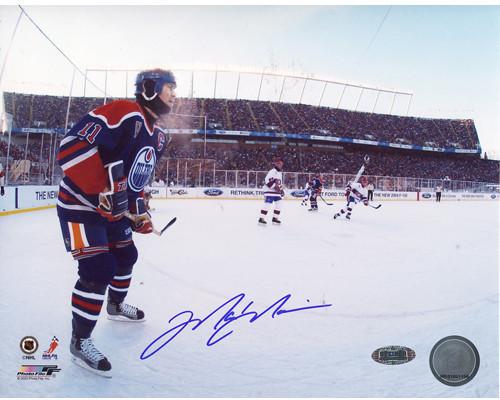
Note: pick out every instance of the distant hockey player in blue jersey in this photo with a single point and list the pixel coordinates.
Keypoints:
(316, 186)
(355, 193)
(107, 158)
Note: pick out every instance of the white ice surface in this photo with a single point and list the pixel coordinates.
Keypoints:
(407, 274)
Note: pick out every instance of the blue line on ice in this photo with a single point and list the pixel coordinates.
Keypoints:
(229, 317)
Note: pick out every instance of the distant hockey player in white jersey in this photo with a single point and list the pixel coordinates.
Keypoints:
(307, 194)
(273, 192)
(355, 193)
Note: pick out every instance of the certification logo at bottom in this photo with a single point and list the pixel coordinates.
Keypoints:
(37, 372)
(454, 360)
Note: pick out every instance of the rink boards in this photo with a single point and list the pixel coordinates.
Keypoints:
(26, 198)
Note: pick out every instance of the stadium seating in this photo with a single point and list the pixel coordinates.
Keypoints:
(38, 111)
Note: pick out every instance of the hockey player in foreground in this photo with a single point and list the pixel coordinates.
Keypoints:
(355, 193)
(107, 159)
(273, 192)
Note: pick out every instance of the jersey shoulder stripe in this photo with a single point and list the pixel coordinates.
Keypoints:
(113, 114)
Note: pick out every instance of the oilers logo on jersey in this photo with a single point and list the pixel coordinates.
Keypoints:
(141, 169)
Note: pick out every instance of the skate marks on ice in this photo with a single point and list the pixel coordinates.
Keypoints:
(493, 299)
(230, 316)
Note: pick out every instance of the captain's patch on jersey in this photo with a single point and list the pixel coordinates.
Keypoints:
(142, 168)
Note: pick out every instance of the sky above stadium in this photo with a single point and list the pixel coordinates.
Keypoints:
(447, 56)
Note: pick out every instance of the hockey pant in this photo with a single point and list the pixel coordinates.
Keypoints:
(305, 198)
(348, 207)
(314, 200)
(106, 255)
(268, 201)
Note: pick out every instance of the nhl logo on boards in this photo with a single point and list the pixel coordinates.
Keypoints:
(29, 346)
(142, 168)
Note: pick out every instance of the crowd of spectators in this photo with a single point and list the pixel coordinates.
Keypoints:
(237, 156)
(316, 160)
(247, 115)
(50, 112)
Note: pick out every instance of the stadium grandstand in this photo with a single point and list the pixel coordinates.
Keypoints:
(230, 142)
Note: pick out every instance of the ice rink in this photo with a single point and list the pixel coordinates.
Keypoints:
(407, 274)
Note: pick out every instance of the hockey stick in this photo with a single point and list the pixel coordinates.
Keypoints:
(328, 204)
(172, 221)
(156, 232)
(375, 207)
(366, 160)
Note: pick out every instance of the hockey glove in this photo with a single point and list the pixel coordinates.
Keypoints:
(114, 202)
(365, 202)
(280, 190)
(142, 220)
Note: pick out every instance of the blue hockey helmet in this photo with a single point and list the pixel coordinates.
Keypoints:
(149, 84)
(153, 79)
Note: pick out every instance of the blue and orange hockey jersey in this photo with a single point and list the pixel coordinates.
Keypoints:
(116, 131)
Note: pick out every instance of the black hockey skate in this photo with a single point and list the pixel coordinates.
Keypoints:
(124, 312)
(262, 222)
(276, 221)
(86, 355)
(336, 216)
(313, 209)
(348, 217)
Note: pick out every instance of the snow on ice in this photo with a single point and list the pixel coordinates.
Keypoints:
(407, 274)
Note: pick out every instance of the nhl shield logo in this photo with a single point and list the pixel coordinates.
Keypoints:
(142, 168)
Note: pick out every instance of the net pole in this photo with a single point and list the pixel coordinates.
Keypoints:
(167, 177)
(341, 96)
(8, 153)
(359, 99)
(376, 101)
(65, 125)
(177, 173)
(185, 173)
(40, 160)
(205, 141)
(322, 94)
(393, 101)
(30, 122)
(238, 86)
(409, 104)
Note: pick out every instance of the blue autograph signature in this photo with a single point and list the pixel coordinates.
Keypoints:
(229, 317)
